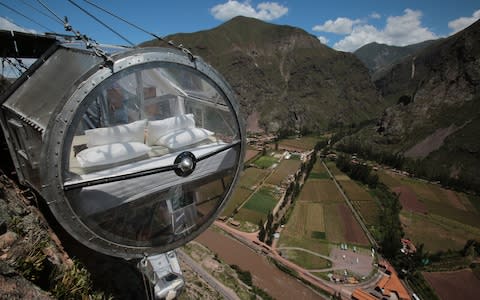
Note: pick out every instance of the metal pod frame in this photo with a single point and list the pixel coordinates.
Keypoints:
(133, 157)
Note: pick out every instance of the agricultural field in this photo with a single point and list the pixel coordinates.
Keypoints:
(303, 143)
(286, 167)
(320, 190)
(307, 220)
(335, 171)
(318, 171)
(362, 201)
(462, 284)
(251, 177)
(258, 206)
(435, 232)
(306, 260)
(321, 217)
(249, 180)
(239, 195)
(341, 226)
(250, 154)
(265, 162)
(440, 218)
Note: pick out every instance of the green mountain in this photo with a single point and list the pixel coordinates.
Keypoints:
(285, 76)
(379, 58)
(435, 112)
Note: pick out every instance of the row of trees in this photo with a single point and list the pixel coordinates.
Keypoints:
(268, 229)
(356, 171)
(419, 168)
(389, 228)
(350, 145)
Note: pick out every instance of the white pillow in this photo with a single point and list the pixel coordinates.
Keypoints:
(184, 137)
(159, 128)
(111, 154)
(132, 132)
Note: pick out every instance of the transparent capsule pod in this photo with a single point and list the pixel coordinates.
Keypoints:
(134, 157)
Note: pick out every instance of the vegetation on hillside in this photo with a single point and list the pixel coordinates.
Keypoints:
(286, 75)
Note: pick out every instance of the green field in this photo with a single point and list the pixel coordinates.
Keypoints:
(262, 201)
(249, 179)
(265, 162)
(286, 167)
(306, 260)
(258, 206)
(315, 245)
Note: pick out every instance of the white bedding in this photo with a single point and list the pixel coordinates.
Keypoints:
(94, 199)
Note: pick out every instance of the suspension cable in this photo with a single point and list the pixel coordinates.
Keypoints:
(26, 17)
(171, 43)
(41, 12)
(101, 22)
(124, 20)
(89, 43)
(51, 11)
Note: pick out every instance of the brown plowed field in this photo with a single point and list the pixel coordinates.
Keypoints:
(352, 230)
(249, 154)
(454, 200)
(454, 285)
(266, 276)
(409, 200)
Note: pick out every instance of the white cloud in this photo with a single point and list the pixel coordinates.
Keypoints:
(375, 15)
(6, 24)
(463, 22)
(323, 39)
(399, 31)
(339, 26)
(266, 11)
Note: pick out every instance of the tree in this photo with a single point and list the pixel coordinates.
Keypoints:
(262, 233)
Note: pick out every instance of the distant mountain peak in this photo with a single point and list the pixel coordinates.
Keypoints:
(379, 57)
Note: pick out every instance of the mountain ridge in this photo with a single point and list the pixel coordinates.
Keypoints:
(379, 58)
(434, 118)
(286, 75)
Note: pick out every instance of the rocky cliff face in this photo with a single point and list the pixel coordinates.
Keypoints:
(286, 75)
(445, 76)
(435, 116)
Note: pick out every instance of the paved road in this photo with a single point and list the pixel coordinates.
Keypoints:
(226, 292)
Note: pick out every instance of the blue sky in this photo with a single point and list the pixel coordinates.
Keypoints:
(341, 24)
